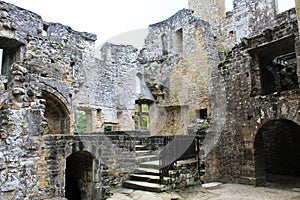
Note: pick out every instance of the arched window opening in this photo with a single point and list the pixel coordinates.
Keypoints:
(56, 114)
(178, 41)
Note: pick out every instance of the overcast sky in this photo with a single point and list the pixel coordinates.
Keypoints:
(108, 18)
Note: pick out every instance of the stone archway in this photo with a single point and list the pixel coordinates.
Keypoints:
(57, 114)
(277, 151)
(79, 176)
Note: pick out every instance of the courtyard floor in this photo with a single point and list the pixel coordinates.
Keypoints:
(214, 192)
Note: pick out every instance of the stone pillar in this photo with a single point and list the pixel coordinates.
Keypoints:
(96, 121)
(89, 120)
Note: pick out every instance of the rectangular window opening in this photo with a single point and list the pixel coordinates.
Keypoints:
(141, 117)
(202, 113)
(10, 50)
(98, 115)
(274, 69)
(178, 41)
(80, 126)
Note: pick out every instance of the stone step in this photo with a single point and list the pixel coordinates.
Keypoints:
(141, 147)
(141, 185)
(146, 158)
(151, 171)
(211, 185)
(143, 152)
(149, 178)
(185, 162)
(150, 164)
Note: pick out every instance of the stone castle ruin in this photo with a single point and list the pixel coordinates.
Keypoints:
(219, 89)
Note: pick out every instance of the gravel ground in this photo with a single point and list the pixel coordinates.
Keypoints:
(220, 192)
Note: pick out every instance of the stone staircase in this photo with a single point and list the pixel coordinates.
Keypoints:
(147, 175)
(175, 154)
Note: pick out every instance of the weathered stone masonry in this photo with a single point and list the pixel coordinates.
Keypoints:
(250, 107)
(40, 66)
(240, 70)
(177, 59)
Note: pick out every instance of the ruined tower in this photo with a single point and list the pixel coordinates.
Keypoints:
(253, 16)
(211, 11)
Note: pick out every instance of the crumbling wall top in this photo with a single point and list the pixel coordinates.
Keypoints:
(19, 24)
(179, 15)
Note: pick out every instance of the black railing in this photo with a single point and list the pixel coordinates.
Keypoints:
(181, 147)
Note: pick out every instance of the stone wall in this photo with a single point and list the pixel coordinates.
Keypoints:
(252, 17)
(50, 74)
(184, 175)
(247, 19)
(113, 87)
(233, 158)
(38, 62)
(214, 13)
(178, 79)
(108, 161)
(215, 8)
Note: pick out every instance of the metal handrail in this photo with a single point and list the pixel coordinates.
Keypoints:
(181, 147)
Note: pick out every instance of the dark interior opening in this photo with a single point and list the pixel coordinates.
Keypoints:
(277, 150)
(280, 74)
(277, 67)
(10, 53)
(79, 176)
(164, 42)
(202, 113)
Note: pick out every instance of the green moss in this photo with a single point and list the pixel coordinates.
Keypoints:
(225, 54)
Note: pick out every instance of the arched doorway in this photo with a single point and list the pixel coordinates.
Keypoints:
(57, 114)
(277, 152)
(79, 176)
